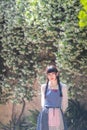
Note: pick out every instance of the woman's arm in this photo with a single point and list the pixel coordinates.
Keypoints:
(64, 98)
(43, 94)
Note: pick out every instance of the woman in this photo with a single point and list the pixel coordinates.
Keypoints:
(54, 101)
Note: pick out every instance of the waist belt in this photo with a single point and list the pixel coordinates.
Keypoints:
(51, 107)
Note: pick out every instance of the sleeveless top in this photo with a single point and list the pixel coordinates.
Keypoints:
(53, 99)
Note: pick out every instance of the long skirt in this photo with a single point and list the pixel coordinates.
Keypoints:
(51, 119)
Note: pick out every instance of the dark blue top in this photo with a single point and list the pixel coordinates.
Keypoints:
(53, 98)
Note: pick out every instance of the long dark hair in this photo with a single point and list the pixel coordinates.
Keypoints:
(49, 70)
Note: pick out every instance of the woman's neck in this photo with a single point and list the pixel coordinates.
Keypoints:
(53, 84)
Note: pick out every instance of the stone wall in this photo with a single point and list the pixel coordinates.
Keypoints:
(6, 109)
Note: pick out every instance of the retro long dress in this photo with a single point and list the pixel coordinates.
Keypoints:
(51, 116)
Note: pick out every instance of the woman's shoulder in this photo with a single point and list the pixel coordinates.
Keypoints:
(64, 88)
(43, 86)
(63, 85)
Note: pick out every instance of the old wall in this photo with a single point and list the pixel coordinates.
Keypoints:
(6, 109)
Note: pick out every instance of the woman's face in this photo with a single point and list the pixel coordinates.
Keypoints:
(52, 76)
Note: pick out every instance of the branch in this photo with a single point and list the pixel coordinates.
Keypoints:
(23, 107)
